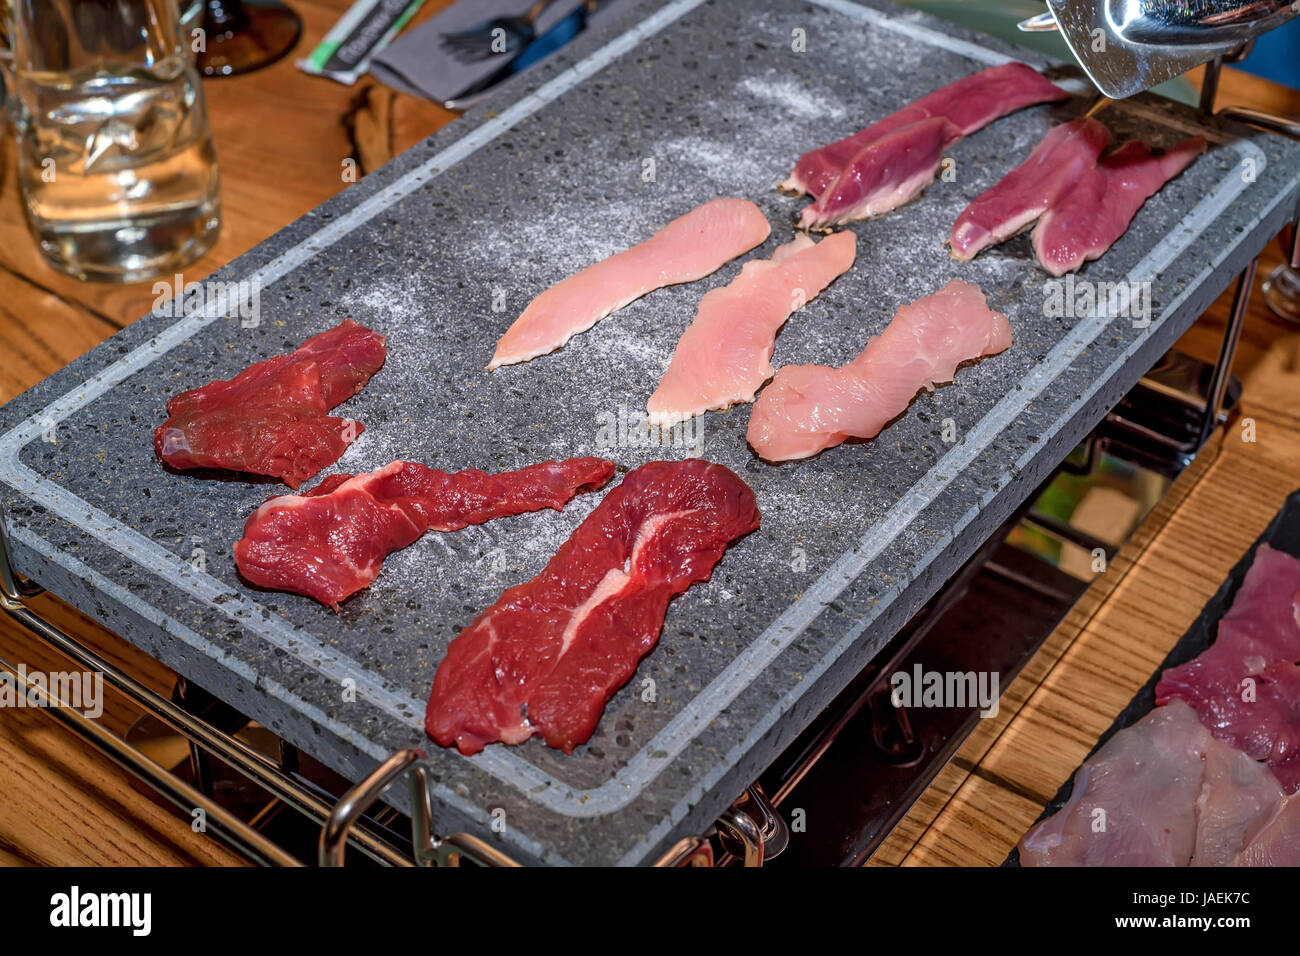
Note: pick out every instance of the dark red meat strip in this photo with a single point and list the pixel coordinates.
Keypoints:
(271, 419)
(1058, 162)
(549, 653)
(970, 103)
(1087, 220)
(1246, 686)
(331, 541)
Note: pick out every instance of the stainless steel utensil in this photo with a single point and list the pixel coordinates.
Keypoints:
(553, 39)
(1127, 46)
(496, 36)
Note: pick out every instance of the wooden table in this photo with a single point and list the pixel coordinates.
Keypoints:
(1116, 637)
(282, 138)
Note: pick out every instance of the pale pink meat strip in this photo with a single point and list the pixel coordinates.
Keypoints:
(689, 248)
(808, 408)
(725, 355)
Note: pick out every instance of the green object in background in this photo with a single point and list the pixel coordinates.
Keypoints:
(366, 28)
(999, 18)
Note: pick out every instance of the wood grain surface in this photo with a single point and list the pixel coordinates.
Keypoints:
(282, 138)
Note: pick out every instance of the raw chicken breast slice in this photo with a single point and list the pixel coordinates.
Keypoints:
(1278, 844)
(688, 248)
(725, 355)
(1134, 800)
(1239, 796)
(808, 408)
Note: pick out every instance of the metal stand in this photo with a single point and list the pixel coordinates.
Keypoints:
(751, 830)
(14, 594)
(342, 823)
(1223, 367)
(1286, 275)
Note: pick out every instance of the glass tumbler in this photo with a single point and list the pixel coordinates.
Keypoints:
(115, 160)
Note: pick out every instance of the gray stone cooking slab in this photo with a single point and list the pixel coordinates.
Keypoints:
(626, 129)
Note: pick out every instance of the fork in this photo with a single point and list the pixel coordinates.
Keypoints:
(553, 39)
(496, 36)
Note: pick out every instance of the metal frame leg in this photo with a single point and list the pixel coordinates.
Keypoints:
(1210, 85)
(200, 766)
(1223, 367)
(263, 771)
(181, 795)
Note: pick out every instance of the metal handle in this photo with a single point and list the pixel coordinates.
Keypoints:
(12, 589)
(762, 839)
(450, 850)
(741, 827)
(776, 835)
(688, 851)
(1266, 121)
(334, 834)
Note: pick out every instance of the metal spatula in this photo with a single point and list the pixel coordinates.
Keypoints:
(1127, 46)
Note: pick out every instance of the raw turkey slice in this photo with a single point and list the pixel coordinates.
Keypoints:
(808, 408)
(725, 355)
(688, 248)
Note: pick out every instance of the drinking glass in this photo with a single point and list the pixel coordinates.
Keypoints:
(115, 159)
(246, 35)
(1282, 287)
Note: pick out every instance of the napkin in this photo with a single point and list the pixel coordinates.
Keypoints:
(418, 63)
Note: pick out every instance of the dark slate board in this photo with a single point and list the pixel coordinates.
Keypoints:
(1283, 534)
(505, 202)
